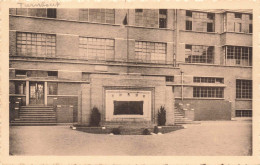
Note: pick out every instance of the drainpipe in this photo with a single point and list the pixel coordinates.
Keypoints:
(181, 85)
(176, 37)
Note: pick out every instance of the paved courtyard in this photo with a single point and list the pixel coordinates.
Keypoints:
(205, 139)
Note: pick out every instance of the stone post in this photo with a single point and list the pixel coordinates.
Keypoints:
(169, 105)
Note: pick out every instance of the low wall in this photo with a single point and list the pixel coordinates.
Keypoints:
(64, 113)
(209, 109)
(65, 101)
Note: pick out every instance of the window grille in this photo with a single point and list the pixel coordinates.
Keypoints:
(199, 54)
(243, 113)
(35, 44)
(97, 15)
(208, 92)
(208, 80)
(151, 52)
(200, 21)
(244, 89)
(238, 55)
(96, 48)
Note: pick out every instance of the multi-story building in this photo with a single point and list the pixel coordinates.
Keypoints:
(128, 63)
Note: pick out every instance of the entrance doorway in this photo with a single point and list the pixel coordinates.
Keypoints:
(36, 93)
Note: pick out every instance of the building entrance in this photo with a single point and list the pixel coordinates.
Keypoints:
(36, 93)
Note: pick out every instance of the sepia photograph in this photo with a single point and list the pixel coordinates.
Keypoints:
(131, 82)
(101, 81)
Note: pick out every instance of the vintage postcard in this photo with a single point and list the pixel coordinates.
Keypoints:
(130, 82)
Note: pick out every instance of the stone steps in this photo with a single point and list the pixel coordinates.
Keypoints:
(35, 115)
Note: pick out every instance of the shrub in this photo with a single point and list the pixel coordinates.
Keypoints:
(155, 130)
(161, 116)
(95, 117)
(146, 132)
(116, 131)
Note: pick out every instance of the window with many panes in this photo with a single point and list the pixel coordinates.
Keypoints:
(151, 52)
(244, 89)
(151, 18)
(96, 48)
(238, 55)
(208, 92)
(37, 12)
(200, 21)
(169, 79)
(243, 113)
(238, 22)
(97, 15)
(208, 80)
(35, 44)
(199, 54)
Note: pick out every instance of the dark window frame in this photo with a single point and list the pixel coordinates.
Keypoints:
(243, 113)
(51, 13)
(238, 15)
(20, 72)
(250, 28)
(169, 78)
(188, 25)
(244, 89)
(52, 73)
(188, 13)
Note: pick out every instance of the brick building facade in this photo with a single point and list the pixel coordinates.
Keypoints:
(128, 63)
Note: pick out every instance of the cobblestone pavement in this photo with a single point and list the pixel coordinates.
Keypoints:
(206, 139)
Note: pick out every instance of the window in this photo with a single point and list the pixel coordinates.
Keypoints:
(250, 28)
(237, 22)
(208, 92)
(53, 73)
(96, 48)
(244, 89)
(97, 15)
(243, 113)
(169, 78)
(151, 18)
(237, 27)
(200, 21)
(151, 52)
(20, 87)
(210, 16)
(162, 18)
(238, 15)
(35, 44)
(208, 80)
(199, 54)
(238, 55)
(250, 17)
(20, 73)
(188, 13)
(52, 88)
(51, 13)
(128, 107)
(210, 27)
(37, 12)
(188, 25)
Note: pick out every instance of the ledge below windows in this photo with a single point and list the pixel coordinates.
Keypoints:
(192, 31)
(243, 99)
(198, 85)
(199, 98)
(214, 65)
(66, 20)
(91, 62)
